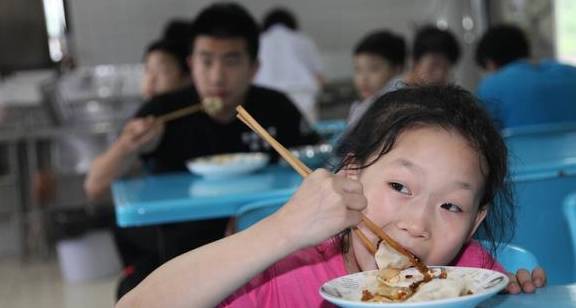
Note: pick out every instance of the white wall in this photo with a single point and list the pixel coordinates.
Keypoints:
(117, 31)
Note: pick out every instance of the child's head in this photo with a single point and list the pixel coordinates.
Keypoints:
(224, 49)
(279, 16)
(501, 45)
(165, 68)
(432, 164)
(378, 57)
(434, 53)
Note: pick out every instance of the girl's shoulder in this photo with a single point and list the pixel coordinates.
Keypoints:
(473, 254)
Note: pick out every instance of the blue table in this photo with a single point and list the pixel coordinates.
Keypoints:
(179, 197)
(559, 296)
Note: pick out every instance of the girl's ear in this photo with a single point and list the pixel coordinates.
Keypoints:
(480, 216)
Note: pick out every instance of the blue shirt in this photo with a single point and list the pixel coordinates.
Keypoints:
(522, 93)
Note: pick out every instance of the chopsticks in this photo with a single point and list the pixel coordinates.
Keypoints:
(209, 105)
(304, 171)
(179, 113)
(369, 245)
(247, 119)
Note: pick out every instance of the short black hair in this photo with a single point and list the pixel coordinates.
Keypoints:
(429, 39)
(279, 16)
(502, 44)
(385, 44)
(177, 49)
(176, 30)
(227, 20)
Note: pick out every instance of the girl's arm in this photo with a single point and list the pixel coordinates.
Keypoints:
(324, 205)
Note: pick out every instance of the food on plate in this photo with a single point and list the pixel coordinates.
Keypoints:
(398, 281)
(389, 258)
(222, 158)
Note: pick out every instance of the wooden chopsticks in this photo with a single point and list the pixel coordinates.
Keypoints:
(211, 105)
(369, 245)
(304, 171)
(247, 119)
(179, 113)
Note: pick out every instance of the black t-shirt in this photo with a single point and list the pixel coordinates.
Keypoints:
(198, 134)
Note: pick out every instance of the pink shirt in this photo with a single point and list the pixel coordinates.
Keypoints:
(296, 280)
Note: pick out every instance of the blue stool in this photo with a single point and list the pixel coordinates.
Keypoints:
(513, 257)
(252, 213)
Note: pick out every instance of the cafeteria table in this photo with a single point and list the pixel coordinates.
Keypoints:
(160, 199)
(558, 296)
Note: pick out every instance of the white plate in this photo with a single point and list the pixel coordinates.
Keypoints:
(346, 291)
(224, 165)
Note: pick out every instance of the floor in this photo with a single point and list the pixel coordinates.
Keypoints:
(39, 284)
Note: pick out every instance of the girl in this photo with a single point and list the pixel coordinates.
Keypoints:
(425, 164)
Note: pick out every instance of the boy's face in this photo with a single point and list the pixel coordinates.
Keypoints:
(425, 193)
(371, 74)
(221, 67)
(433, 68)
(162, 74)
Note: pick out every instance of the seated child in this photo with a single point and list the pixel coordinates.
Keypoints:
(435, 53)
(425, 164)
(378, 62)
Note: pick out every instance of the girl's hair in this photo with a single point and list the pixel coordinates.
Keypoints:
(451, 108)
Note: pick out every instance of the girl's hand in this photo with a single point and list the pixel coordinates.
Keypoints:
(525, 282)
(324, 205)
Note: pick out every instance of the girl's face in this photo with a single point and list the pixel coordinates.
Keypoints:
(425, 193)
(371, 74)
(162, 74)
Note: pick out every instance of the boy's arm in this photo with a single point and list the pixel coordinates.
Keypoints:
(137, 135)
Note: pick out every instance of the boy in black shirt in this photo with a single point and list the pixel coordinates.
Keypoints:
(224, 48)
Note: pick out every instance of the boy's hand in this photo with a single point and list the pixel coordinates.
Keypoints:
(140, 135)
(525, 282)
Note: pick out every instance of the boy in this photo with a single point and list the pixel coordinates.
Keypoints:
(378, 61)
(435, 52)
(223, 62)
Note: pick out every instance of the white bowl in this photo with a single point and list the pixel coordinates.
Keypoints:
(346, 291)
(225, 165)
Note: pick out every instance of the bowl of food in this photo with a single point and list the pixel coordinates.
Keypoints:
(449, 287)
(403, 280)
(225, 165)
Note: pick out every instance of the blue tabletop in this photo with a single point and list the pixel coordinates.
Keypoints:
(559, 296)
(183, 196)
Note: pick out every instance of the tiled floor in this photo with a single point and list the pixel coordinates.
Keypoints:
(39, 284)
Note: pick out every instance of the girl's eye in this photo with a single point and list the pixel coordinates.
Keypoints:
(451, 207)
(399, 188)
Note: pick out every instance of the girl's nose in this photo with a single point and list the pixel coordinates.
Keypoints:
(415, 221)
